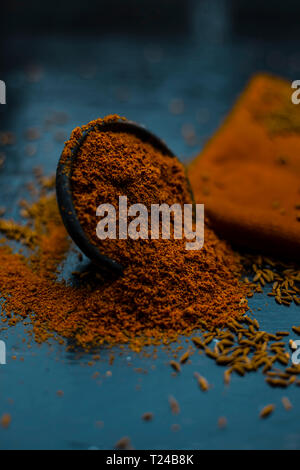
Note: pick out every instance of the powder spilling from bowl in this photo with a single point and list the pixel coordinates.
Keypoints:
(168, 291)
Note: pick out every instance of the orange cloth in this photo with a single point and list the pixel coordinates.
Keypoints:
(248, 175)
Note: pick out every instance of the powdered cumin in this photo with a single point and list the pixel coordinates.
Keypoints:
(167, 291)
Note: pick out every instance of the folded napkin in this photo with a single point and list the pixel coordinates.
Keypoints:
(248, 175)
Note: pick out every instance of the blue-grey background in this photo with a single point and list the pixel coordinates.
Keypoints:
(145, 60)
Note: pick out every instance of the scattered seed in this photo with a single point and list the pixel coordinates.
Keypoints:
(202, 382)
(292, 345)
(123, 444)
(222, 422)
(227, 376)
(210, 353)
(223, 360)
(5, 420)
(175, 365)
(175, 427)
(286, 403)
(174, 405)
(266, 411)
(208, 339)
(292, 379)
(296, 329)
(32, 133)
(277, 382)
(184, 357)
(147, 416)
(198, 343)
